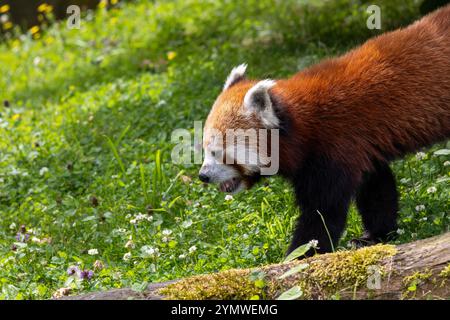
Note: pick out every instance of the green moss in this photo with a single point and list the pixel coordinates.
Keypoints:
(326, 275)
(343, 270)
(412, 282)
(445, 273)
(417, 277)
(227, 285)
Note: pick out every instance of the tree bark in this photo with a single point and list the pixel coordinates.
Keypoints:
(416, 270)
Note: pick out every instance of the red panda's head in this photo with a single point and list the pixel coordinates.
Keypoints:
(236, 139)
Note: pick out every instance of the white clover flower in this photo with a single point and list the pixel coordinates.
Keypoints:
(182, 256)
(400, 231)
(228, 197)
(141, 216)
(167, 232)
(420, 207)
(192, 249)
(421, 155)
(431, 190)
(35, 240)
(165, 239)
(4, 18)
(127, 256)
(92, 252)
(129, 244)
(43, 171)
(314, 244)
(12, 226)
(446, 163)
(148, 251)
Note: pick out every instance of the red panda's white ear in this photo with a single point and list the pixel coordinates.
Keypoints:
(235, 75)
(257, 100)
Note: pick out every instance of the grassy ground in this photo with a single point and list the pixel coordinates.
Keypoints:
(85, 142)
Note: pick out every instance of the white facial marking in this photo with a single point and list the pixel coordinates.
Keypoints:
(213, 165)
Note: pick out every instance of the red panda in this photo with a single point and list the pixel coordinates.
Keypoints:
(341, 122)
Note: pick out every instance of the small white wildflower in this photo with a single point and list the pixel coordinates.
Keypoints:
(133, 221)
(140, 217)
(431, 190)
(420, 207)
(4, 18)
(149, 218)
(43, 171)
(192, 249)
(129, 244)
(400, 231)
(12, 226)
(127, 256)
(36, 60)
(165, 239)
(148, 251)
(421, 155)
(181, 256)
(167, 232)
(314, 244)
(228, 197)
(186, 224)
(424, 219)
(35, 240)
(92, 252)
(446, 163)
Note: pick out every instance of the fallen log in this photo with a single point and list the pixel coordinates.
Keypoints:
(416, 270)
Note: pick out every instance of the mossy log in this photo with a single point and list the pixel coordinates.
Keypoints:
(416, 270)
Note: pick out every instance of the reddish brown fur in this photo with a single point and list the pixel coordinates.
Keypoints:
(345, 118)
(387, 97)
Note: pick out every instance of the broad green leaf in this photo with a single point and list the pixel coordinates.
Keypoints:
(294, 270)
(300, 251)
(442, 152)
(291, 294)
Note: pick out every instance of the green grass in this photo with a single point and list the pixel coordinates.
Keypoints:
(85, 144)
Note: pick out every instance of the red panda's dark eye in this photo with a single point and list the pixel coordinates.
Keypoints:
(213, 153)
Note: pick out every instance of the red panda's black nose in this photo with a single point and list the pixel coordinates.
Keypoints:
(203, 177)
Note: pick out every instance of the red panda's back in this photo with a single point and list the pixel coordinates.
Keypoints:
(387, 97)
